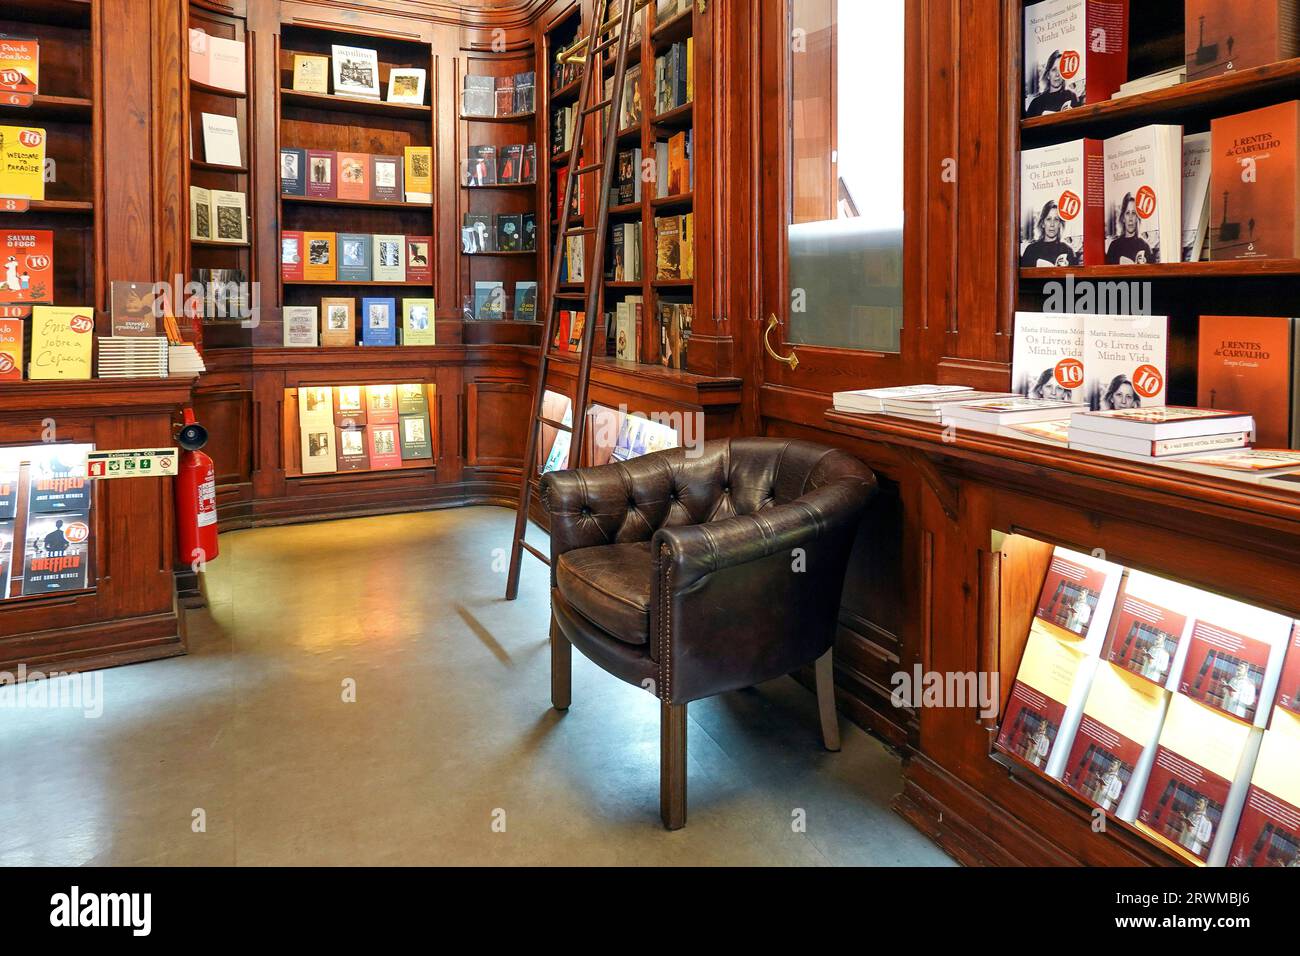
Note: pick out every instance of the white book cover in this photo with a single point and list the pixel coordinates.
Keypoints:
(1054, 188)
(1125, 361)
(1196, 194)
(229, 216)
(406, 85)
(300, 326)
(1144, 204)
(389, 258)
(1047, 356)
(1056, 76)
(226, 68)
(356, 72)
(221, 140)
(318, 451)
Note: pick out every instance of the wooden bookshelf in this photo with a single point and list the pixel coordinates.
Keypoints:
(350, 104)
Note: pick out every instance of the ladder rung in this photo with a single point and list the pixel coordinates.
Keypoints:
(571, 295)
(544, 558)
(585, 170)
(584, 231)
(596, 108)
(554, 424)
(604, 45)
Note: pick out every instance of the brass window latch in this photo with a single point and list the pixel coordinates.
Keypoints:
(792, 359)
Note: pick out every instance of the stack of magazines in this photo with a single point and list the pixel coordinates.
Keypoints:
(133, 356)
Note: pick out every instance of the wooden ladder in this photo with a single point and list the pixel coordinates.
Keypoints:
(587, 51)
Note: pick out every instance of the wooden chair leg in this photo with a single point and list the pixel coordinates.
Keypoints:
(672, 764)
(826, 701)
(561, 669)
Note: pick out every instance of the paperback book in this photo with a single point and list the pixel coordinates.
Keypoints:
(1062, 204)
(1144, 204)
(1076, 53)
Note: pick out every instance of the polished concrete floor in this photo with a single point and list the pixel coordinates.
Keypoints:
(358, 692)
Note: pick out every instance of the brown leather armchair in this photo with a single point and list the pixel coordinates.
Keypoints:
(695, 575)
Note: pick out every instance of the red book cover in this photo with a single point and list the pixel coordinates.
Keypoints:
(1244, 362)
(19, 70)
(291, 255)
(1268, 833)
(1077, 593)
(381, 404)
(385, 450)
(561, 342)
(419, 267)
(1253, 184)
(26, 266)
(1224, 36)
(1145, 628)
(1045, 683)
(1225, 670)
(1288, 688)
(322, 173)
(11, 349)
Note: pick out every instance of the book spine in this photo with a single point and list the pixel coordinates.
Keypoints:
(1107, 56)
(1094, 202)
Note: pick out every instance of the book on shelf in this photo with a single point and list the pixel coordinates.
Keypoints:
(311, 74)
(481, 166)
(510, 165)
(386, 178)
(528, 164)
(1162, 423)
(577, 331)
(384, 446)
(504, 95)
(293, 165)
(1078, 597)
(353, 176)
(318, 448)
(389, 258)
(356, 72)
(418, 323)
(411, 400)
(575, 259)
(349, 406)
(22, 162)
(564, 122)
(1168, 451)
(1046, 703)
(1125, 361)
(183, 360)
(132, 309)
(301, 326)
(416, 440)
(676, 318)
(132, 357)
(671, 69)
(378, 321)
(1268, 831)
(1260, 466)
(355, 263)
(1047, 356)
(1233, 658)
(229, 216)
(291, 255)
(1120, 725)
(1223, 36)
(418, 173)
(217, 61)
(627, 329)
(316, 405)
(995, 413)
(1163, 80)
(526, 301)
(489, 300)
(1254, 173)
(62, 342)
(930, 407)
(419, 265)
(11, 350)
(320, 174)
(679, 164)
(529, 225)
(525, 93)
(563, 323)
(353, 452)
(221, 139)
(406, 85)
(20, 70)
(669, 243)
(1144, 186)
(627, 184)
(1196, 195)
(381, 404)
(1147, 628)
(1055, 432)
(1063, 204)
(26, 266)
(630, 110)
(1288, 686)
(478, 96)
(225, 295)
(871, 401)
(1249, 362)
(476, 234)
(508, 233)
(56, 553)
(321, 262)
(200, 213)
(338, 322)
(6, 556)
(57, 480)
(1076, 53)
(10, 475)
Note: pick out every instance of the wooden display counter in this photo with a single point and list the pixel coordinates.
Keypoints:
(981, 511)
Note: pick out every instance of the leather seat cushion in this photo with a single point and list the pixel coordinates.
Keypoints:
(609, 585)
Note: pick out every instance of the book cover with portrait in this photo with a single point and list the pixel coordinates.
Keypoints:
(1268, 833)
(1288, 685)
(1253, 184)
(1062, 204)
(1076, 52)
(1078, 597)
(1147, 628)
(1045, 703)
(1144, 196)
(1047, 356)
(1234, 657)
(1125, 361)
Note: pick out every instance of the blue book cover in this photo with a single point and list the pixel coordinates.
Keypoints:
(354, 252)
(293, 166)
(378, 320)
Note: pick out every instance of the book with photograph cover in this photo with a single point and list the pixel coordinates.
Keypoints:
(349, 406)
(1225, 36)
(1147, 627)
(1046, 698)
(57, 481)
(1288, 685)
(321, 179)
(132, 309)
(353, 449)
(415, 437)
(319, 454)
(355, 264)
(478, 96)
(1233, 659)
(419, 264)
(1253, 184)
(385, 446)
(1062, 204)
(1047, 356)
(1078, 597)
(419, 325)
(338, 323)
(406, 85)
(668, 233)
(1268, 833)
(1144, 196)
(292, 255)
(353, 176)
(301, 326)
(386, 178)
(56, 552)
(378, 321)
(356, 72)
(1076, 53)
(389, 258)
(320, 264)
(1125, 361)
(316, 405)
(293, 172)
(1247, 362)
(26, 266)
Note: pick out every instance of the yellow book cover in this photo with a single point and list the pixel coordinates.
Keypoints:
(318, 263)
(22, 162)
(62, 341)
(418, 322)
(311, 74)
(1269, 831)
(690, 69)
(1036, 710)
(688, 246)
(419, 170)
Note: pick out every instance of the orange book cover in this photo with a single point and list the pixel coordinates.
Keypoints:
(354, 176)
(1245, 364)
(11, 350)
(1253, 184)
(319, 265)
(1225, 36)
(19, 65)
(26, 266)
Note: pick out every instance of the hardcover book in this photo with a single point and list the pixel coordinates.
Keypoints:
(1125, 361)
(320, 262)
(411, 400)
(1199, 755)
(1045, 702)
(20, 70)
(354, 251)
(378, 321)
(293, 167)
(1268, 833)
(291, 255)
(1062, 204)
(419, 268)
(300, 326)
(386, 178)
(1224, 37)
(62, 341)
(389, 258)
(11, 350)
(1196, 194)
(22, 162)
(338, 323)
(385, 447)
(1247, 362)
(1047, 356)
(1144, 196)
(1253, 184)
(1234, 657)
(381, 404)
(1121, 721)
(406, 85)
(416, 443)
(319, 456)
(1076, 52)
(353, 176)
(418, 324)
(353, 453)
(321, 182)
(56, 553)
(311, 74)
(1147, 628)
(356, 72)
(1078, 597)
(26, 266)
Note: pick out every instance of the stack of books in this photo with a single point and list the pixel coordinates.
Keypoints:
(932, 408)
(1259, 466)
(871, 401)
(1154, 81)
(184, 359)
(1002, 416)
(133, 356)
(1164, 433)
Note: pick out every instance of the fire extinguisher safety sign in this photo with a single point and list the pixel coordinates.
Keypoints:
(207, 502)
(133, 463)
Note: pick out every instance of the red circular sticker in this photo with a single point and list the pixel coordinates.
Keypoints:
(10, 78)
(1069, 373)
(38, 263)
(6, 362)
(77, 532)
(81, 323)
(31, 137)
(1146, 202)
(1069, 205)
(1148, 381)
(1069, 64)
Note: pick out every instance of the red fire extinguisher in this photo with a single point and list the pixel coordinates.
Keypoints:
(196, 496)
